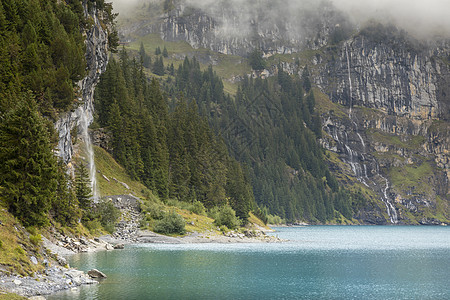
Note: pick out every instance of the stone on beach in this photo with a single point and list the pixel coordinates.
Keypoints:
(94, 273)
(119, 246)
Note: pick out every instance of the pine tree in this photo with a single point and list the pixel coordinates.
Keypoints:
(28, 172)
(306, 80)
(158, 66)
(165, 53)
(83, 187)
(256, 60)
(65, 208)
(146, 60)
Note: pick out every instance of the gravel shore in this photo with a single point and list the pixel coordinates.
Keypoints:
(57, 274)
(58, 277)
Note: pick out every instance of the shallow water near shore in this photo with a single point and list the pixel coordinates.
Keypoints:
(318, 262)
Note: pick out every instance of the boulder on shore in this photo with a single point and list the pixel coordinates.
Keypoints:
(94, 273)
(119, 246)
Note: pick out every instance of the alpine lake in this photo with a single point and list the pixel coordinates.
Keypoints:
(318, 262)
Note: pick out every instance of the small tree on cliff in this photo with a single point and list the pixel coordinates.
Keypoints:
(256, 60)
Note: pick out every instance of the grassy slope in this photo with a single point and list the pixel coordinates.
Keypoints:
(107, 166)
(11, 297)
(16, 247)
(226, 66)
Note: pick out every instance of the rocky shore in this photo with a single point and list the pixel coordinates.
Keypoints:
(54, 279)
(57, 274)
(60, 276)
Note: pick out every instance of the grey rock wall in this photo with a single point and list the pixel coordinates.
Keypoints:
(395, 94)
(239, 29)
(97, 59)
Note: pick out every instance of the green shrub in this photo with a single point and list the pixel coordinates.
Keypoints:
(170, 223)
(36, 239)
(227, 217)
(224, 229)
(154, 211)
(179, 204)
(143, 224)
(31, 230)
(19, 250)
(197, 208)
(1, 243)
(93, 225)
(108, 214)
(275, 220)
(213, 213)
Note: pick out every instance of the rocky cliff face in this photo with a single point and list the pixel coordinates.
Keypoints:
(394, 132)
(239, 29)
(97, 59)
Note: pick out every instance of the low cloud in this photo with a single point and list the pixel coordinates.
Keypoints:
(423, 17)
(126, 6)
(419, 17)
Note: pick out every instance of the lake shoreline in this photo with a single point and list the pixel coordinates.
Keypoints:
(318, 262)
(56, 278)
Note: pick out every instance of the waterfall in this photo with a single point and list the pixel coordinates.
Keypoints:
(361, 172)
(349, 81)
(96, 60)
(84, 126)
(362, 141)
(389, 206)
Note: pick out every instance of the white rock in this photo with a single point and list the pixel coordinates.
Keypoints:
(34, 260)
(17, 282)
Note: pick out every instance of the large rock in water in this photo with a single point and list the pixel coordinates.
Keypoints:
(119, 246)
(94, 273)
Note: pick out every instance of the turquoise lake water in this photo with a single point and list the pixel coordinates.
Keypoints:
(319, 262)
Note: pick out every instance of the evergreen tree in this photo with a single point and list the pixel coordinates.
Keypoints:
(165, 53)
(146, 60)
(65, 208)
(83, 187)
(28, 173)
(256, 60)
(306, 80)
(158, 66)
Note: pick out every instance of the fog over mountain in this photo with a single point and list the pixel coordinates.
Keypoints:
(419, 17)
(423, 17)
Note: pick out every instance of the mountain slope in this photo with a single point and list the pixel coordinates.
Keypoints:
(382, 95)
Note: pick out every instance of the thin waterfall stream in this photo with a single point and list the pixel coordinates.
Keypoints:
(349, 82)
(361, 172)
(84, 126)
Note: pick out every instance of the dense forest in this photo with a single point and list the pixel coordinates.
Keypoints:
(271, 127)
(171, 149)
(42, 58)
(184, 138)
